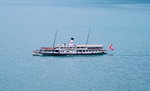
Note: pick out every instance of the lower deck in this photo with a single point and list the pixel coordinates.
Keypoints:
(37, 52)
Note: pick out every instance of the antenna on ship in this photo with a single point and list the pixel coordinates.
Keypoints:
(88, 36)
(54, 39)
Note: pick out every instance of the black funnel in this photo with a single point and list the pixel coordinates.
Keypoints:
(72, 38)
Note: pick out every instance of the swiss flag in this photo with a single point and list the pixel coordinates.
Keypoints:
(111, 47)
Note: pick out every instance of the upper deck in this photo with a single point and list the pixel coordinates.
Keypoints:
(70, 45)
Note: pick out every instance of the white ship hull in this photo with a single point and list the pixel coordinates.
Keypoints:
(38, 53)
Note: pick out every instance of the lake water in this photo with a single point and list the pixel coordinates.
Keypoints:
(26, 25)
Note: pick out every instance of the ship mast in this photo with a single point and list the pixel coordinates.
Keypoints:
(54, 39)
(88, 36)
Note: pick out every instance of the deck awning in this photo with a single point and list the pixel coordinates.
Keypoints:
(48, 48)
(89, 45)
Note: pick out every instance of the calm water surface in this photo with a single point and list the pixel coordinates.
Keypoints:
(28, 25)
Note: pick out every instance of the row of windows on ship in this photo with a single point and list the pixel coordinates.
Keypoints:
(68, 51)
(78, 47)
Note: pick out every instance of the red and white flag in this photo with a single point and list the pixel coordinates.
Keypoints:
(111, 47)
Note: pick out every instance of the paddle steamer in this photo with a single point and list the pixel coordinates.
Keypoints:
(70, 48)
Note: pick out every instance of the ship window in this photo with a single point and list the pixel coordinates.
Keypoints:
(83, 50)
(80, 50)
(56, 50)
